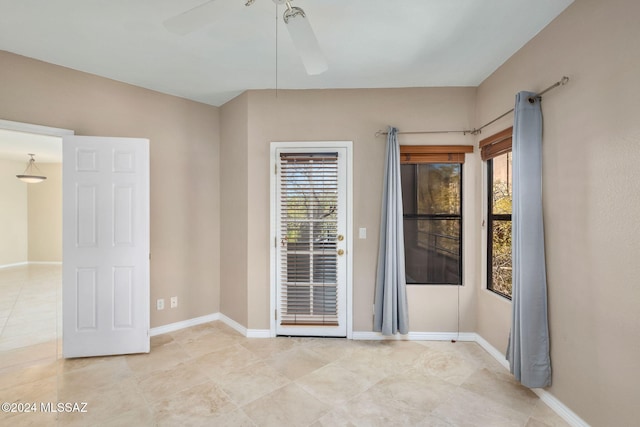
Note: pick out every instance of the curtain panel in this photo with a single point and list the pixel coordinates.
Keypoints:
(528, 349)
(390, 306)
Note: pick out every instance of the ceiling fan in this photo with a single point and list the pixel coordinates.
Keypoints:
(297, 23)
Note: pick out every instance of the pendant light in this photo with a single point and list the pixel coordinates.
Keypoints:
(28, 176)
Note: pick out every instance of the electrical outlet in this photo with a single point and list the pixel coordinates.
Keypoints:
(174, 302)
(160, 304)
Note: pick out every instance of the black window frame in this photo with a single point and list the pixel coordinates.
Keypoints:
(459, 217)
(491, 217)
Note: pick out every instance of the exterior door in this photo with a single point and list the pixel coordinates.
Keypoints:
(105, 278)
(311, 241)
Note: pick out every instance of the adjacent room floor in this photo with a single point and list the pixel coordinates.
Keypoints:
(210, 375)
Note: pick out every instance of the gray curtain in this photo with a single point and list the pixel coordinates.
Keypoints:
(528, 350)
(391, 312)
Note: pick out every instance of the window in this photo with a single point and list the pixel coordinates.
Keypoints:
(496, 150)
(432, 205)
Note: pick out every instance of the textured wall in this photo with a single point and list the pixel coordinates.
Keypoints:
(591, 153)
(184, 152)
(355, 115)
(13, 214)
(45, 215)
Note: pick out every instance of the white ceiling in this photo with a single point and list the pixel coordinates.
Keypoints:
(368, 43)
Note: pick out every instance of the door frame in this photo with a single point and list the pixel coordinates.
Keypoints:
(310, 145)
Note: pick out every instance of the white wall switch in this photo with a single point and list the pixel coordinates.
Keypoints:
(362, 233)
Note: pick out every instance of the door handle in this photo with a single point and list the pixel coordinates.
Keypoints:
(340, 237)
(340, 252)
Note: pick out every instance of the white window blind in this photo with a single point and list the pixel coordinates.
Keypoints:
(308, 238)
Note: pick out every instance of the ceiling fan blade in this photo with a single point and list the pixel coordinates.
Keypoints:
(305, 42)
(193, 19)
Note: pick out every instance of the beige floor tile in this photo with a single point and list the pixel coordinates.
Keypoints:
(26, 356)
(209, 342)
(330, 348)
(337, 417)
(287, 406)
(32, 419)
(196, 406)
(42, 390)
(74, 383)
(449, 366)
(158, 385)
(10, 378)
(211, 375)
(140, 417)
(333, 384)
(545, 415)
(470, 409)
(102, 403)
(503, 389)
(194, 332)
(405, 398)
(267, 348)
(160, 340)
(160, 358)
(297, 362)
(250, 382)
(220, 361)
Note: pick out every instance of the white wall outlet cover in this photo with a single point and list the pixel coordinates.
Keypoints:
(160, 304)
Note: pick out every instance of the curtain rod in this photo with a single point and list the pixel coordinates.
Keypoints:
(563, 81)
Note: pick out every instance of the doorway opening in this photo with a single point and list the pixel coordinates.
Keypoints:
(31, 244)
(311, 224)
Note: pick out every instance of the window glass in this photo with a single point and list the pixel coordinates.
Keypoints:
(499, 273)
(432, 200)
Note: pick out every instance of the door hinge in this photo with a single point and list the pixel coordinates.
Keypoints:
(275, 314)
(275, 241)
(275, 169)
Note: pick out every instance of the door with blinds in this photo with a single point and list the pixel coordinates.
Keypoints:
(311, 232)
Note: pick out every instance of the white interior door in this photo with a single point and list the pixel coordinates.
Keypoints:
(105, 279)
(311, 239)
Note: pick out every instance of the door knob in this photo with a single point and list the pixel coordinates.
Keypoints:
(340, 252)
(340, 237)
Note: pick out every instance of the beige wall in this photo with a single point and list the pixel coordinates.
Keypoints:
(184, 152)
(591, 153)
(355, 115)
(45, 215)
(13, 214)
(234, 209)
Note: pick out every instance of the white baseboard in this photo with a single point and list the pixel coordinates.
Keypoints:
(233, 324)
(549, 399)
(258, 333)
(172, 327)
(560, 408)
(17, 264)
(415, 336)
(21, 264)
(500, 357)
(249, 333)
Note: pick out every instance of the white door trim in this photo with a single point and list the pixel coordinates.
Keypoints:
(321, 145)
(31, 128)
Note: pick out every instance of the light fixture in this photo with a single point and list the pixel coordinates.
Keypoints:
(304, 39)
(28, 176)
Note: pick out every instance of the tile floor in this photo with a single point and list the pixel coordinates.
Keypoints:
(209, 375)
